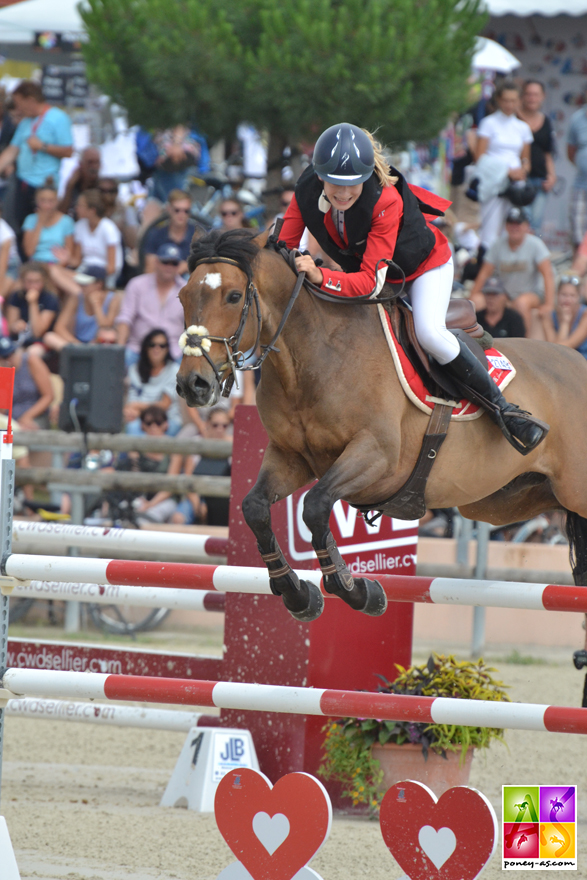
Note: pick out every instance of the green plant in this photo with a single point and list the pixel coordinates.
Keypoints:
(347, 743)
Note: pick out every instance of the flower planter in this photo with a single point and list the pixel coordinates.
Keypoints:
(404, 762)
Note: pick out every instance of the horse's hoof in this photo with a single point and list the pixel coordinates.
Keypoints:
(376, 601)
(315, 605)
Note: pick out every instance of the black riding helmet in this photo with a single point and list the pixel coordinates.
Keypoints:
(343, 155)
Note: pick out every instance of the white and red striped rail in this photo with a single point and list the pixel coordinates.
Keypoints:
(113, 540)
(292, 700)
(107, 715)
(119, 594)
(237, 579)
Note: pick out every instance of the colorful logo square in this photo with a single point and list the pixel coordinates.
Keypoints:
(558, 803)
(557, 841)
(520, 803)
(520, 840)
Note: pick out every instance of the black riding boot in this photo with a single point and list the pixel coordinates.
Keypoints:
(521, 429)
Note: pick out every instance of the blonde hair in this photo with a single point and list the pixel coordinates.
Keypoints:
(381, 165)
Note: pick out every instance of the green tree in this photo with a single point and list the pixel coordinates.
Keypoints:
(292, 67)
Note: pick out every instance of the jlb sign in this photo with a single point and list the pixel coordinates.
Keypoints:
(389, 545)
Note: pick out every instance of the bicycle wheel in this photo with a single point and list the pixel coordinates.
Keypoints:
(126, 619)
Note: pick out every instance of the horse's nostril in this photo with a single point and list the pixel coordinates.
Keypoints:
(198, 383)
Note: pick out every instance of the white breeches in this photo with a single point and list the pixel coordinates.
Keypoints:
(493, 214)
(429, 296)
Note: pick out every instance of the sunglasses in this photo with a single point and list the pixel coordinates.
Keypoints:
(181, 210)
(285, 204)
(219, 424)
(169, 262)
(229, 213)
(148, 423)
(158, 345)
(570, 279)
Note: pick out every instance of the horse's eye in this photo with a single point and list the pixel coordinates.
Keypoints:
(234, 296)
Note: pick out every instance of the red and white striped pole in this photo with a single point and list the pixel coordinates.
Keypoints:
(237, 579)
(119, 594)
(299, 701)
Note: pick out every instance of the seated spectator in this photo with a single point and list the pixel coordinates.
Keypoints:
(178, 230)
(232, 215)
(567, 324)
(151, 302)
(96, 243)
(83, 178)
(203, 509)
(33, 392)
(9, 259)
(153, 506)
(32, 310)
(496, 317)
(152, 381)
(88, 314)
(579, 266)
(125, 218)
(48, 233)
(522, 262)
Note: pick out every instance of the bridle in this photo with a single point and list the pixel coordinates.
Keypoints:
(196, 340)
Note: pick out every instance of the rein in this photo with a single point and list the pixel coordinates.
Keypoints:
(196, 341)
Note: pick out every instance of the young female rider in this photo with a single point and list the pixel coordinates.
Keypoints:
(361, 215)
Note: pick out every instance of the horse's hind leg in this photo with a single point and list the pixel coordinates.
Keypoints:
(280, 475)
(577, 535)
(355, 470)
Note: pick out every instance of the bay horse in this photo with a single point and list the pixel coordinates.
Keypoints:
(333, 407)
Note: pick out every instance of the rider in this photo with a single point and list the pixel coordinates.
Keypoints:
(363, 214)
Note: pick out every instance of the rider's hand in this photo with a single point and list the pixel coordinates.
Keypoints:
(306, 264)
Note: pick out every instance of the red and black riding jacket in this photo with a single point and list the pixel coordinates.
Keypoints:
(391, 222)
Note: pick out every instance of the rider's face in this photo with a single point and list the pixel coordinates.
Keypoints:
(342, 197)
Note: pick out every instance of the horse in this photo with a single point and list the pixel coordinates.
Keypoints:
(335, 413)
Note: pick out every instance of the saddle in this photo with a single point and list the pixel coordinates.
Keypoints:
(460, 320)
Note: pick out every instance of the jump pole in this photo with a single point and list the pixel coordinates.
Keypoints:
(296, 701)
(107, 716)
(251, 580)
(61, 535)
(119, 594)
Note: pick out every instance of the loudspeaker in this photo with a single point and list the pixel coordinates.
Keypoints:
(94, 376)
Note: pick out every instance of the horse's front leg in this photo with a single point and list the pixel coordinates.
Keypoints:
(281, 474)
(361, 465)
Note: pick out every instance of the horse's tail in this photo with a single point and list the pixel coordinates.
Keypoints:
(576, 529)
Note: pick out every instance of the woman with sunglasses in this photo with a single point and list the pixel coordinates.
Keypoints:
(567, 324)
(152, 381)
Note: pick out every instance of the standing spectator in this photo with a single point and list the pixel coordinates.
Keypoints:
(89, 312)
(179, 150)
(567, 324)
(232, 214)
(83, 178)
(153, 380)
(31, 311)
(33, 392)
(48, 234)
(96, 243)
(522, 262)
(577, 153)
(7, 129)
(42, 139)
(503, 136)
(178, 231)
(542, 174)
(496, 317)
(150, 302)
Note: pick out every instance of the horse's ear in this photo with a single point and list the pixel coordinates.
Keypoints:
(261, 239)
(199, 232)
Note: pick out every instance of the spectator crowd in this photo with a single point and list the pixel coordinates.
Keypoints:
(79, 265)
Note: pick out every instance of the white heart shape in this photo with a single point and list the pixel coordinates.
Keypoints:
(271, 831)
(437, 845)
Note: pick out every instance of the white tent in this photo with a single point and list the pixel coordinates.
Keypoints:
(20, 22)
(523, 8)
(490, 55)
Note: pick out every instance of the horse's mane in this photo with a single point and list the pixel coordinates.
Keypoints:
(235, 244)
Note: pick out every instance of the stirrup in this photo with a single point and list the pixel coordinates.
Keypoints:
(527, 417)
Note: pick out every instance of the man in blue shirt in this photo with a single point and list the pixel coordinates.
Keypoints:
(577, 153)
(42, 139)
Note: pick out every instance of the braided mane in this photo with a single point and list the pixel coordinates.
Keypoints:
(235, 244)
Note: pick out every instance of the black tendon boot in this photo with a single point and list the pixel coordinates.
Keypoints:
(521, 429)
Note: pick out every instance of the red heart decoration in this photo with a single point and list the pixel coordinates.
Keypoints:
(449, 839)
(250, 810)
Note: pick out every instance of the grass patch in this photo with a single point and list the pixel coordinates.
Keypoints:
(517, 659)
